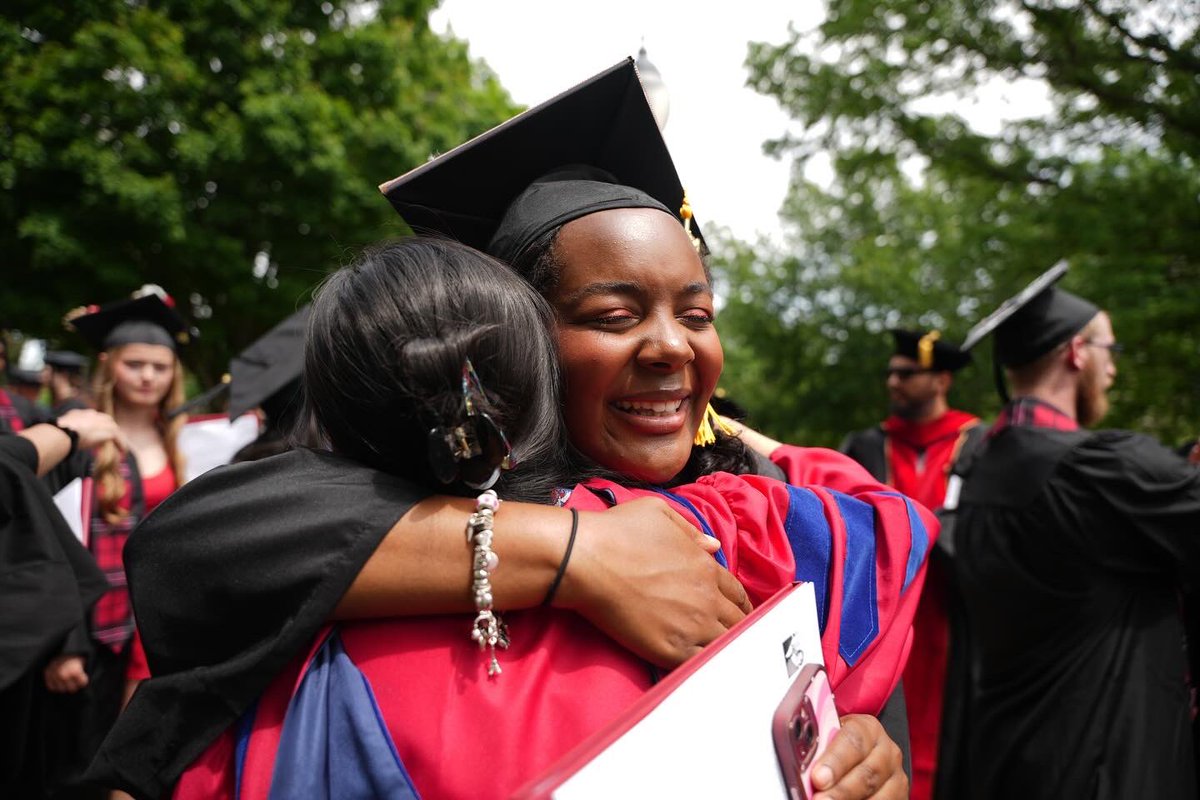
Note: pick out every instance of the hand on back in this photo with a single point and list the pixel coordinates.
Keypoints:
(646, 576)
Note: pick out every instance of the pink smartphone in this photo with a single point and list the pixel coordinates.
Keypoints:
(803, 725)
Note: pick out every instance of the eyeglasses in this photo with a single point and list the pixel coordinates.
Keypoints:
(1114, 348)
(904, 373)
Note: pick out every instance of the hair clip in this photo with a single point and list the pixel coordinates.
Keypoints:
(474, 451)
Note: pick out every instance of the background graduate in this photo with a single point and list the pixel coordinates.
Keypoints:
(914, 450)
(1072, 547)
(138, 378)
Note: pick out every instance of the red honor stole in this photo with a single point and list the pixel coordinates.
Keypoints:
(920, 454)
(919, 458)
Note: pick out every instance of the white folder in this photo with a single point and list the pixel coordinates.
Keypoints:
(705, 730)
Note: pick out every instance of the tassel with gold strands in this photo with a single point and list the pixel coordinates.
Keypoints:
(925, 349)
(705, 435)
(685, 214)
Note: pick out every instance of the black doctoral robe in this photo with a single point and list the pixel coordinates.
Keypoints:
(1071, 551)
(216, 624)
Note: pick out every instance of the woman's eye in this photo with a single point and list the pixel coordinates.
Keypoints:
(698, 318)
(614, 320)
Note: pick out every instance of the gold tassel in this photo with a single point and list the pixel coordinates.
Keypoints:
(705, 435)
(685, 214)
(925, 349)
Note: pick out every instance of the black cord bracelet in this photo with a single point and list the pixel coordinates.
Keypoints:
(73, 436)
(562, 567)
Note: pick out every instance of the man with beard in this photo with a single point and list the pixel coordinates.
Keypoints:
(914, 450)
(1071, 550)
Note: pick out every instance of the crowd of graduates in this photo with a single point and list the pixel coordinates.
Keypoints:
(1003, 605)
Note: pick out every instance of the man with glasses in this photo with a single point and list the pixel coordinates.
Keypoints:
(1072, 548)
(914, 450)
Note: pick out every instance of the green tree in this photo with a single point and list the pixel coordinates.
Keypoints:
(229, 151)
(931, 222)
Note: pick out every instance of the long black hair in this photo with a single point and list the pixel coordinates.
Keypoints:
(541, 265)
(387, 340)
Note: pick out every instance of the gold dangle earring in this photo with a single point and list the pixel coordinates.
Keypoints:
(705, 434)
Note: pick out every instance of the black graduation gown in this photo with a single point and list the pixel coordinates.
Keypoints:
(48, 582)
(1071, 550)
(216, 625)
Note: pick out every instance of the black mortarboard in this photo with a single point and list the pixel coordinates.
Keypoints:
(1031, 323)
(267, 373)
(595, 146)
(143, 319)
(272, 364)
(929, 350)
(1035, 321)
(66, 361)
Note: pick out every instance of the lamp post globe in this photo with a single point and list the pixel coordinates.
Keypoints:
(656, 90)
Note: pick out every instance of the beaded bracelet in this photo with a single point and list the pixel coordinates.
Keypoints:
(489, 630)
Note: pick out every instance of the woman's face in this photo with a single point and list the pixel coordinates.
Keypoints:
(142, 373)
(639, 351)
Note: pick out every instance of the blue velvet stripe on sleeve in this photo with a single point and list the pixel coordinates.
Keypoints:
(920, 540)
(860, 612)
(811, 539)
(704, 526)
(244, 726)
(334, 743)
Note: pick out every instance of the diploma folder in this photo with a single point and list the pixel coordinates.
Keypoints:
(705, 729)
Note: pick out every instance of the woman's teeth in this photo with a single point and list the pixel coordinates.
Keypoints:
(649, 409)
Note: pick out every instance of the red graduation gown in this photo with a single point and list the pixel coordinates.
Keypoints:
(448, 731)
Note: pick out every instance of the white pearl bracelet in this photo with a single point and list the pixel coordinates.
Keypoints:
(489, 631)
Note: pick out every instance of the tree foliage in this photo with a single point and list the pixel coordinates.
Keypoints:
(931, 221)
(229, 151)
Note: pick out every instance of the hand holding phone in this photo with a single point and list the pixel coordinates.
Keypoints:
(802, 727)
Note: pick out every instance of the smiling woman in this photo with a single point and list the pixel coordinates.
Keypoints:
(640, 352)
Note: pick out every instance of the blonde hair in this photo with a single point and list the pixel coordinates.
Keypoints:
(110, 486)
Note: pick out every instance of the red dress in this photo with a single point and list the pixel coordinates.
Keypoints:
(407, 701)
(154, 490)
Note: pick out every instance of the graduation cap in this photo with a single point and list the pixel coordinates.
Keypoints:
(1032, 323)
(591, 148)
(66, 361)
(267, 373)
(269, 367)
(929, 350)
(148, 317)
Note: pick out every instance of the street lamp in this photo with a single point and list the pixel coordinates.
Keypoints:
(656, 90)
